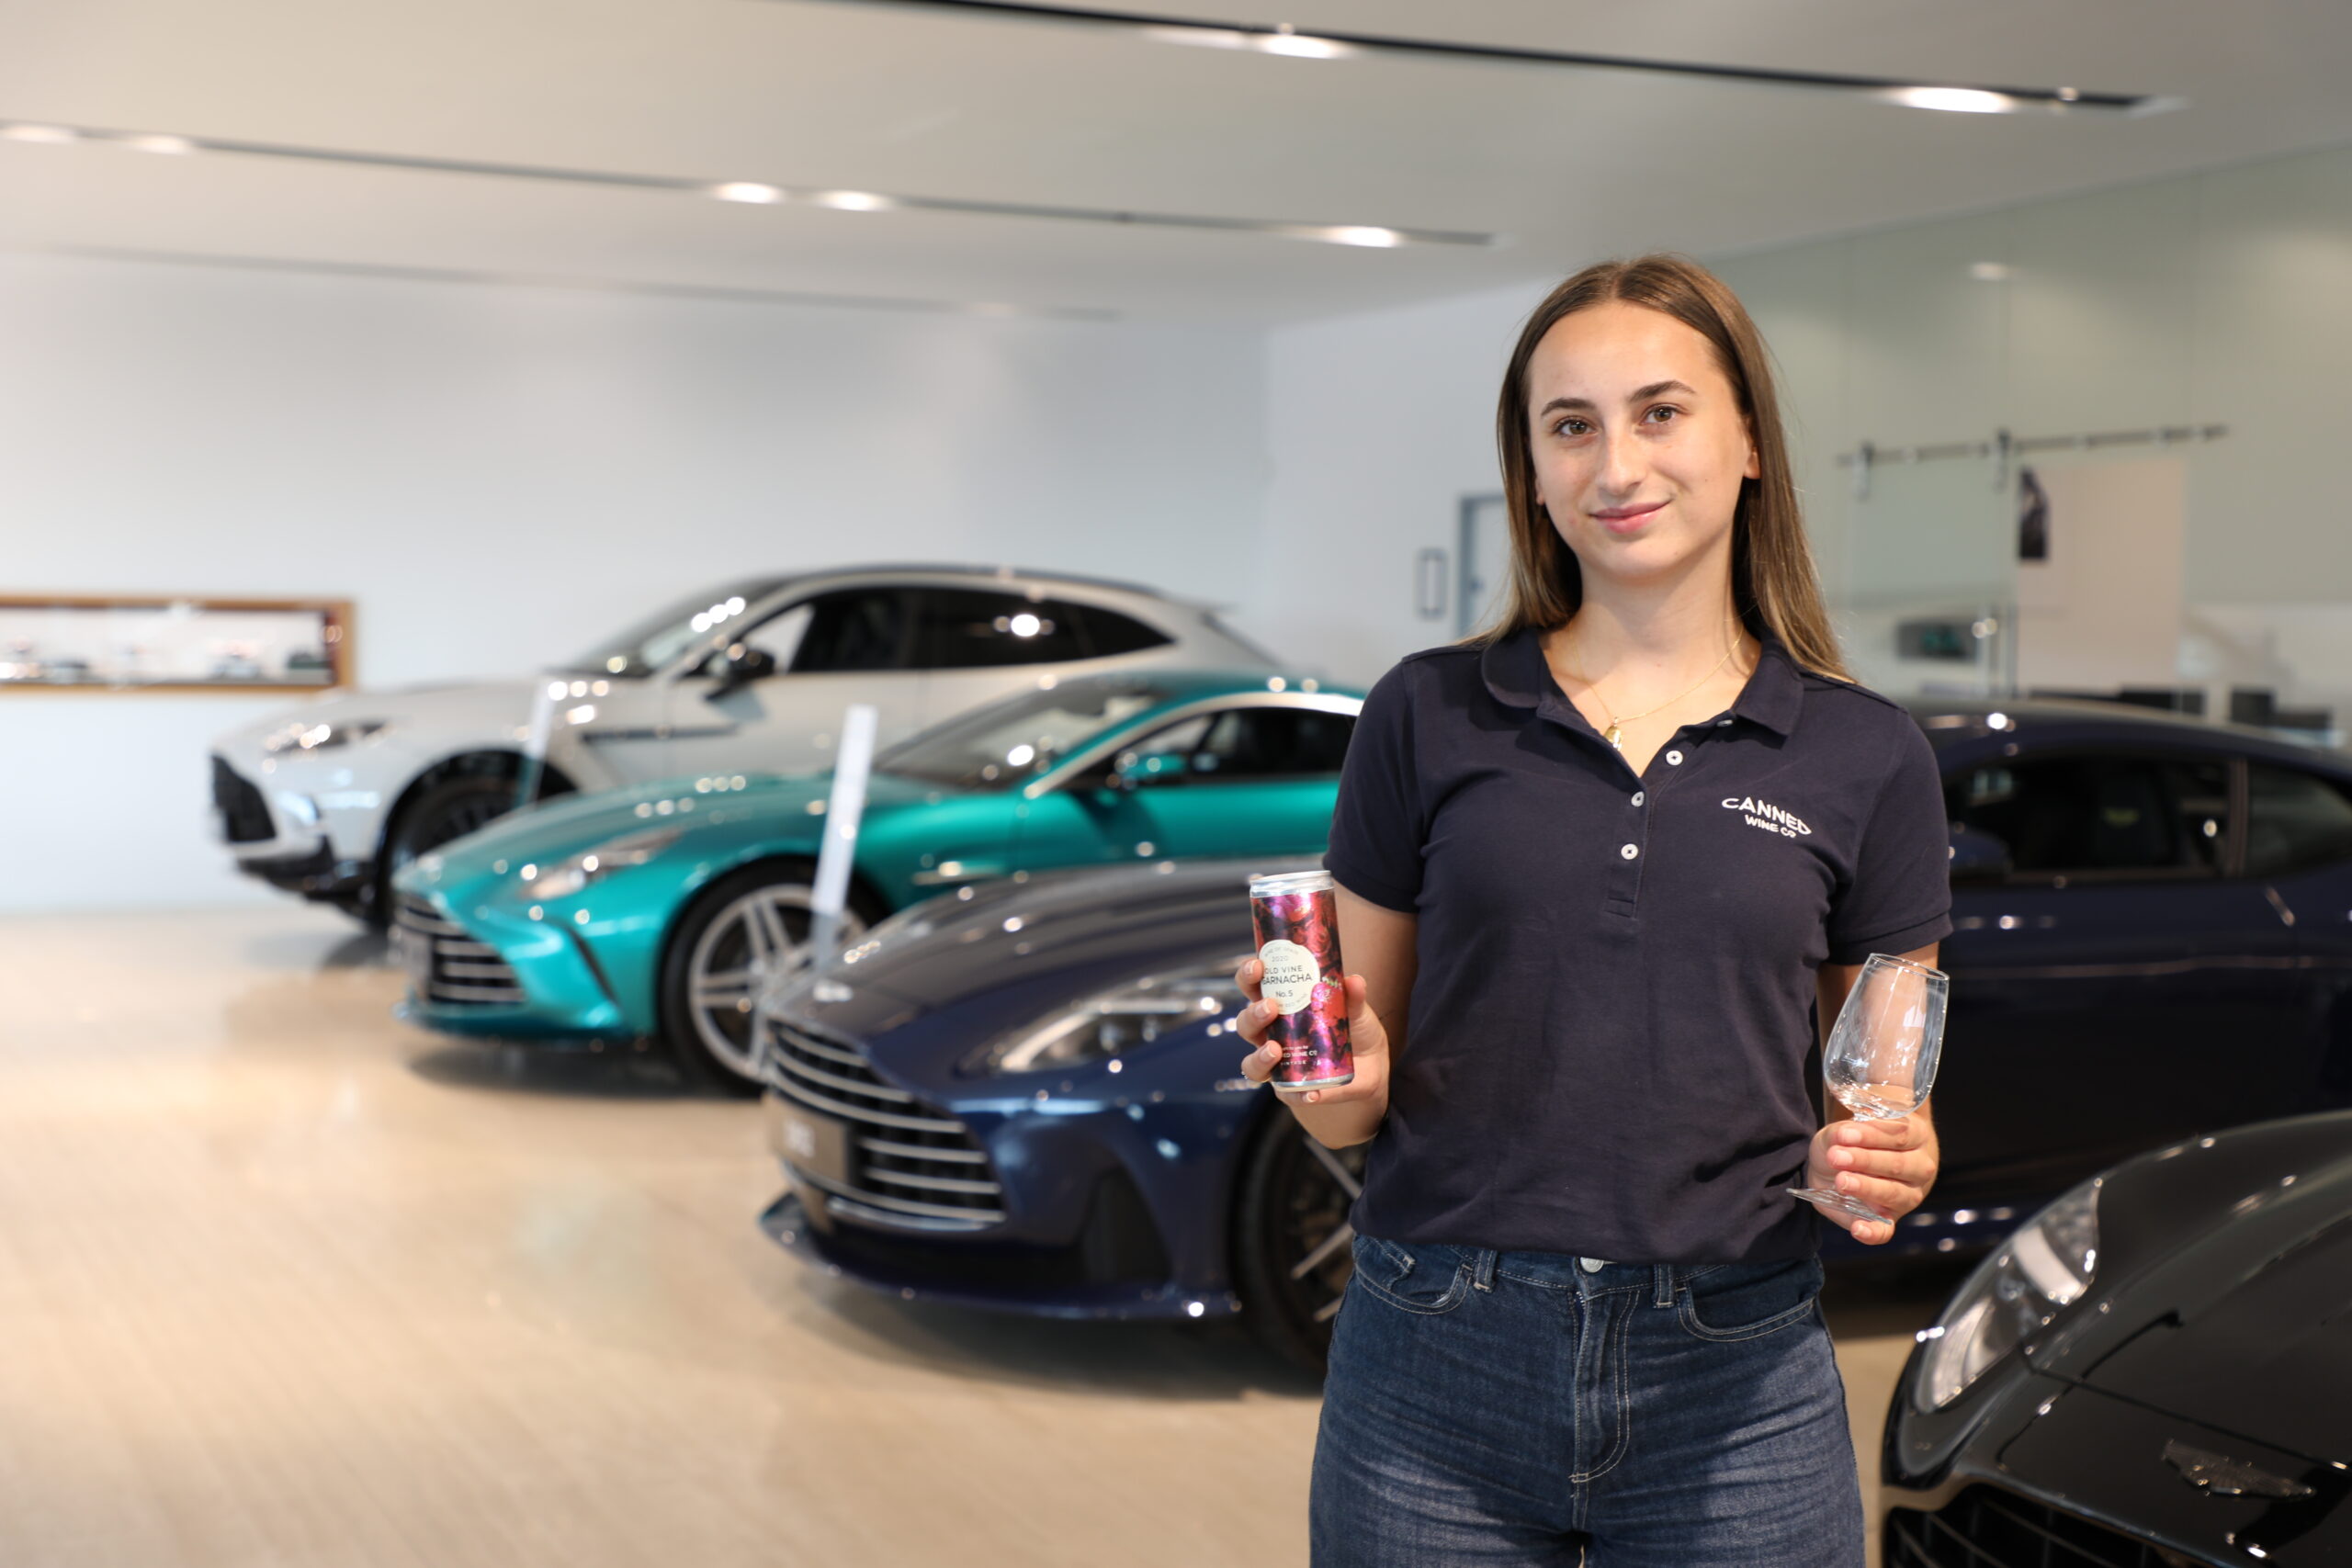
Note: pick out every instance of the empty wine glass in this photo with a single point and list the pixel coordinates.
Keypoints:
(1881, 1060)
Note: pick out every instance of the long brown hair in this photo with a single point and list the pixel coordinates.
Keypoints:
(1774, 587)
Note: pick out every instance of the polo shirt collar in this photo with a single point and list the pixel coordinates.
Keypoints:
(1516, 676)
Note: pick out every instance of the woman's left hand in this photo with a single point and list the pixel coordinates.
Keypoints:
(1888, 1164)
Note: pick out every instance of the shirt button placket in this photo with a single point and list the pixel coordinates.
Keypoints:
(1624, 888)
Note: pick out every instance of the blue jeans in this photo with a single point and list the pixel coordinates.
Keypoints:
(1524, 1407)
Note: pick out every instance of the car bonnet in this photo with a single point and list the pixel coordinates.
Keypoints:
(2247, 1327)
(1075, 923)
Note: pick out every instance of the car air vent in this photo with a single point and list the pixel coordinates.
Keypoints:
(448, 968)
(244, 818)
(1985, 1527)
(909, 1166)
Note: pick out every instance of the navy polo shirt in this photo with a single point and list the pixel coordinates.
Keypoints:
(1607, 1045)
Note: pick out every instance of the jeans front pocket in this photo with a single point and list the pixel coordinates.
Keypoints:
(1748, 1301)
(1421, 1276)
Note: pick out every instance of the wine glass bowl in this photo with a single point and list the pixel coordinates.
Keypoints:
(1880, 1059)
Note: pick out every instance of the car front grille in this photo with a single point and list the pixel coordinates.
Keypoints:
(244, 816)
(908, 1164)
(446, 966)
(1985, 1527)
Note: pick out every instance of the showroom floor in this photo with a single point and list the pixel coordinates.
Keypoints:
(284, 1281)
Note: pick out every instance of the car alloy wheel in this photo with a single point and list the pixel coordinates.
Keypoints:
(743, 960)
(1294, 1253)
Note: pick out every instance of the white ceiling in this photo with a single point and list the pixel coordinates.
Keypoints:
(1567, 164)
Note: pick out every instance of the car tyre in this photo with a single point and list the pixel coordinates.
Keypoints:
(1292, 1251)
(443, 812)
(738, 943)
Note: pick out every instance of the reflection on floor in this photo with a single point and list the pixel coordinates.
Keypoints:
(284, 1281)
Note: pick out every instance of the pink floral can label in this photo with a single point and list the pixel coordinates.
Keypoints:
(1295, 917)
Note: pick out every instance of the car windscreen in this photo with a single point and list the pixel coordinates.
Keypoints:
(998, 746)
(653, 642)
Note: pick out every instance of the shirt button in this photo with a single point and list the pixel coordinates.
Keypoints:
(1674, 759)
(1640, 795)
(1629, 851)
(1591, 1265)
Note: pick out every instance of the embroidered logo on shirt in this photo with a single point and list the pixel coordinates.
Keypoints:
(1765, 815)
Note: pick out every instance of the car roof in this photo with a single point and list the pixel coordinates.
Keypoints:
(1949, 720)
(969, 574)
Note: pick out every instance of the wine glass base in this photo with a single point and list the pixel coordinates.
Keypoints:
(1840, 1202)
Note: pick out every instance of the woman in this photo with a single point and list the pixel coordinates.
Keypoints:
(1598, 870)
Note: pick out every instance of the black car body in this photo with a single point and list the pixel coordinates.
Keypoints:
(2191, 1404)
(2152, 939)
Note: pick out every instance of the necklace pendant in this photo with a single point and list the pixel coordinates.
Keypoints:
(1615, 736)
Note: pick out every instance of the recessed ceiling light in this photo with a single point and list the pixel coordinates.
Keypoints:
(1991, 272)
(1302, 46)
(747, 190)
(1361, 235)
(1957, 100)
(42, 133)
(1199, 37)
(854, 200)
(170, 146)
(1282, 40)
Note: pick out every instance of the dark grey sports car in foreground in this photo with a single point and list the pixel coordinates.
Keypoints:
(2155, 1371)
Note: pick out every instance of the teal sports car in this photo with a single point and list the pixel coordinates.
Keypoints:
(677, 910)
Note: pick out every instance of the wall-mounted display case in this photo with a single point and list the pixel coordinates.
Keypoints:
(161, 643)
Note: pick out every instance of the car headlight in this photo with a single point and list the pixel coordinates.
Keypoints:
(566, 878)
(321, 736)
(2048, 1263)
(1113, 1022)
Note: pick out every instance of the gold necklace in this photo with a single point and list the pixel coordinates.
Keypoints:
(1616, 732)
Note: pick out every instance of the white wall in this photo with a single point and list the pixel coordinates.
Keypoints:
(1379, 424)
(498, 475)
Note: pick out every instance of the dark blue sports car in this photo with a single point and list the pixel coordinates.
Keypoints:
(1027, 1096)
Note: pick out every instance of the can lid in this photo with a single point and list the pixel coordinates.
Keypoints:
(1291, 882)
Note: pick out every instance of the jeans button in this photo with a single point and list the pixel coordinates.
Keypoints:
(1591, 1265)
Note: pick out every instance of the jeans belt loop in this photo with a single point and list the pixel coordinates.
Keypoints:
(1482, 1273)
(1662, 1278)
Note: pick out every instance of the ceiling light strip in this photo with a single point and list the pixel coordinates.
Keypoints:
(1322, 43)
(1372, 235)
(719, 293)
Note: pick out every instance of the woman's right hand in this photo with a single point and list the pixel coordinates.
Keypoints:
(1367, 1043)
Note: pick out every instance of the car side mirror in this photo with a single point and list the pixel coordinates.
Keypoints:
(745, 662)
(1978, 856)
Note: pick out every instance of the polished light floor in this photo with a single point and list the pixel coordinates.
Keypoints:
(283, 1282)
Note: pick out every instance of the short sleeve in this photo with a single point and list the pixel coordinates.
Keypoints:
(1376, 827)
(1900, 896)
